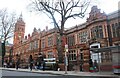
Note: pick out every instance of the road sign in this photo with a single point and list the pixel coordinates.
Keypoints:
(66, 48)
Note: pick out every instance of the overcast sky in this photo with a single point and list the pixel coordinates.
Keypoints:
(41, 21)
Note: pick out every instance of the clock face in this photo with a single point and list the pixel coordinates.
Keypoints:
(19, 35)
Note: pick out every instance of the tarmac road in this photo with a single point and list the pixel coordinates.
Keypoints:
(18, 74)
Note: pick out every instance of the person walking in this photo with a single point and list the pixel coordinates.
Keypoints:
(91, 65)
(55, 67)
(39, 60)
(31, 62)
(95, 65)
(35, 65)
(5, 64)
(17, 63)
(43, 65)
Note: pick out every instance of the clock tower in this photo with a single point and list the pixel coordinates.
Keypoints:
(19, 31)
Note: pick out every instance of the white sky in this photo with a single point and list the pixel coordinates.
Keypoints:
(41, 21)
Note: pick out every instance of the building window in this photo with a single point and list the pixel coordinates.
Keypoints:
(33, 46)
(72, 55)
(22, 29)
(30, 46)
(36, 44)
(43, 43)
(115, 30)
(83, 37)
(50, 54)
(50, 41)
(97, 32)
(71, 40)
(100, 32)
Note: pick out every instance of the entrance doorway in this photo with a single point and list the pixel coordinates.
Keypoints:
(95, 56)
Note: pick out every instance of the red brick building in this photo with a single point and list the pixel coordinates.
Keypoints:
(100, 30)
(24, 47)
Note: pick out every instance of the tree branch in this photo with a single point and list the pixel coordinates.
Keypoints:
(53, 18)
(7, 24)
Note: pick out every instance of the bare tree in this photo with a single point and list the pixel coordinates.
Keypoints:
(7, 24)
(59, 11)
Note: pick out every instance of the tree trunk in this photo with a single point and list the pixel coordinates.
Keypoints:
(61, 44)
(60, 50)
(3, 52)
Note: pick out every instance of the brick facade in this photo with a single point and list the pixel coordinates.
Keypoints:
(97, 29)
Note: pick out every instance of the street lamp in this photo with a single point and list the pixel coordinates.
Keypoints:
(66, 59)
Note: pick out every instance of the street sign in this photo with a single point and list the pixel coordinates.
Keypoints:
(66, 48)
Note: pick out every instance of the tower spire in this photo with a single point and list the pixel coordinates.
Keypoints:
(21, 17)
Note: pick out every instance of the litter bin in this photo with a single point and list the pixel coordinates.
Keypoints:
(116, 59)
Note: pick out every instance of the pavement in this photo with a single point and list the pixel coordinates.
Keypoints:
(74, 73)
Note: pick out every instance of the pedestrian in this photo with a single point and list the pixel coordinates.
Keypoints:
(56, 66)
(91, 65)
(17, 63)
(31, 62)
(8, 64)
(39, 60)
(43, 65)
(38, 65)
(5, 64)
(95, 65)
(35, 65)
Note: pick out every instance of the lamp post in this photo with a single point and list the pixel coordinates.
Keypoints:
(66, 59)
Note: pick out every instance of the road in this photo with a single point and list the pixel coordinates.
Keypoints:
(18, 74)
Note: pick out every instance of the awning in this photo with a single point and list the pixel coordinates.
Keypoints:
(105, 49)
